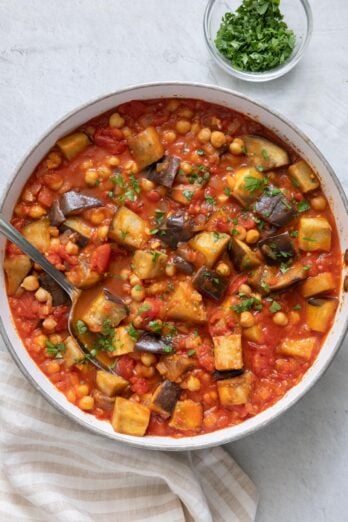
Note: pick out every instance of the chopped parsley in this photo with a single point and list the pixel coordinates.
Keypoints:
(303, 206)
(159, 216)
(57, 350)
(133, 332)
(155, 326)
(251, 184)
(251, 303)
(264, 154)
(200, 152)
(227, 191)
(293, 233)
(275, 307)
(191, 353)
(255, 37)
(209, 199)
(284, 267)
(297, 307)
(144, 308)
(188, 194)
(306, 267)
(81, 327)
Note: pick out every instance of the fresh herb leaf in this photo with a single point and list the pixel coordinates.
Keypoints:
(297, 307)
(275, 307)
(264, 154)
(251, 303)
(155, 326)
(251, 184)
(303, 206)
(306, 267)
(191, 353)
(293, 233)
(133, 332)
(209, 199)
(57, 350)
(144, 308)
(200, 152)
(159, 216)
(81, 327)
(227, 191)
(188, 194)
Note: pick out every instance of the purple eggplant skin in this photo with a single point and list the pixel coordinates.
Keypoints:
(210, 283)
(278, 249)
(178, 229)
(164, 172)
(227, 374)
(114, 298)
(74, 202)
(274, 207)
(166, 396)
(56, 215)
(80, 239)
(183, 266)
(59, 297)
(153, 344)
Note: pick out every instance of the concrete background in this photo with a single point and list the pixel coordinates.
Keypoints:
(57, 54)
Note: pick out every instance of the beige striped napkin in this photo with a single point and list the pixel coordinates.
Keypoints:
(52, 469)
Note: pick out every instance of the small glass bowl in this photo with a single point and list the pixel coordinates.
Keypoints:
(297, 15)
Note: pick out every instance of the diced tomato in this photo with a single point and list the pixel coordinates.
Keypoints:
(236, 282)
(152, 308)
(60, 315)
(45, 197)
(133, 109)
(57, 254)
(110, 139)
(125, 366)
(153, 196)
(205, 357)
(139, 385)
(26, 306)
(101, 258)
(246, 221)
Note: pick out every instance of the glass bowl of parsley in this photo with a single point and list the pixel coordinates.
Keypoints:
(257, 40)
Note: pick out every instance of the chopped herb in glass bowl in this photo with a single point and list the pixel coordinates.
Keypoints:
(257, 40)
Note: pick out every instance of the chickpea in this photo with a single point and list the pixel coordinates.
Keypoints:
(20, 210)
(186, 166)
(104, 171)
(28, 196)
(49, 324)
(116, 120)
(223, 269)
(82, 390)
(138, 321)
(41, 340)
(55, 182)
(70, 395)
(241, 235)
(147, 184)
(247, 319)
(55, 242)
(124, 274)
(126, 132)
(52, 367)
(148, 359)
(42, 295)
(230, 181)
(170, 270)
(86, 164)
(172, 105)
(244, 289)
(71, 248)
(195, 128)
(144, 371)
(54, 232)
(280, 319)
(193, 383)
(113, 161)
(56, 338)
(138, 293)
(237, 147)
(185, 113)
(53, 160)
(97, 216)
(252, 236)
(91, 177)
(294, 317)
(318, 203)
(37, 211)
(183, 126)
(217, 139)
(134, 280)
(204, 135)
(30, 283)
(169, 136)
(102, 232)
(86, 403)
(131, 167)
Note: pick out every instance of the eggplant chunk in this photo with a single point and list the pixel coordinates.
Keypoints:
(153, 344)
(187, 416)
(173, 367)
(210, 283)
(73, 202)
(274, 207)
(235, 391)
(227, 374)
(268, 279)
(249, 185)
(130, 418)
(59, 297)
(254, 334)
(149, 264)
(178, 229)
(109, 383)
(183, 266)
(185, 304)
(301, 348)
(81, 230)
(122, 342)
(264, 153)
(211, 245)
(278, 249)
(103, 401)
(228, 352)
(16, 269)
(72, 145)
(165, 171)
(73, 352)
(127, 228)
(38, 234)
(184, 193)
(104, 307)
(56, 215)
(318, 284)
(242, 256)
(146, 147)
(320, 313)
(303, 176)
(164, 398)
(314, 234)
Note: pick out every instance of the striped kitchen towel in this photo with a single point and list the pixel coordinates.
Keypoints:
(52, 469)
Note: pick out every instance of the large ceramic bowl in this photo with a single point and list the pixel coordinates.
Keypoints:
(284, 130)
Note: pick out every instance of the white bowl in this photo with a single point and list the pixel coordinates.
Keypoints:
(286, 131)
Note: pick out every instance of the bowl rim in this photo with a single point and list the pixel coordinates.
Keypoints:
(265, 76)
(204, 440)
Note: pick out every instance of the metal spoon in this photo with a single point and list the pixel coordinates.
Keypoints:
(12, 234)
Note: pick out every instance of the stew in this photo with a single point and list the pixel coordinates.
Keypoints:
(209, 259)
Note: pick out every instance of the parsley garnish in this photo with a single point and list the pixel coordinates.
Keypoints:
(255, 37)
(159, 216)
(303, 206)
(264, 154)
(247, 304)
(81, 327)
(191, 353)
(57, 350)
(155, 326)
(251, 184)
(200, 152)
(227, 191)
(293, 233)
(275, 307)
(188, 194)
(144, 308)
(297, 307)
(209, 199)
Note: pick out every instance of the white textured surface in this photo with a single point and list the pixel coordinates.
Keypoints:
(57, 54)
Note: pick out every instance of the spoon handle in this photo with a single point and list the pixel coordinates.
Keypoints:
(15, 237)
